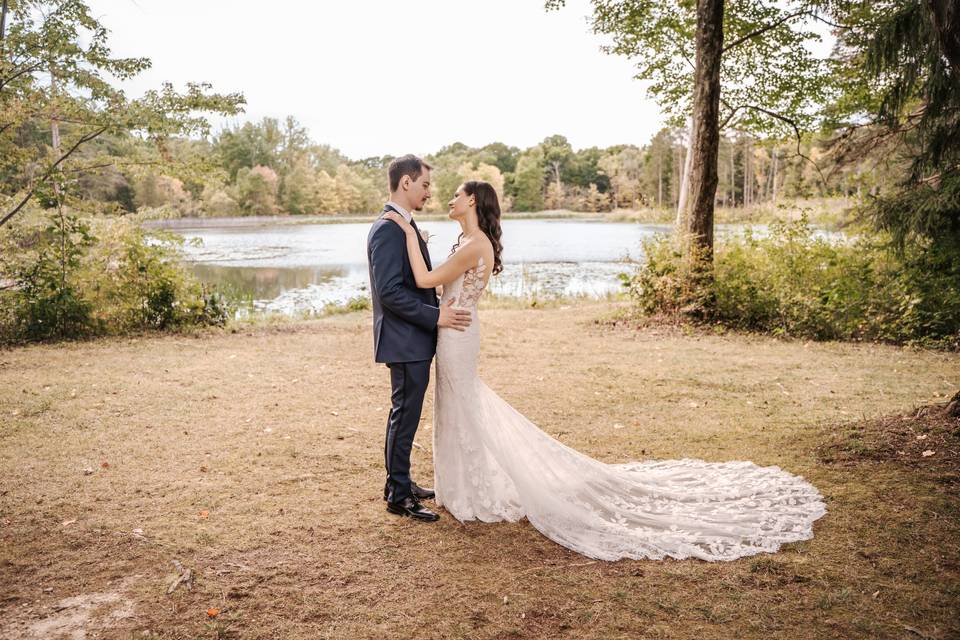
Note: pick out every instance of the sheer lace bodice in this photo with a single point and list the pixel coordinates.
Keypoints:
(468, 287)
(491, 464)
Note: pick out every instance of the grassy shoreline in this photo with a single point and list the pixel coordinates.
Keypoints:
(827, 213)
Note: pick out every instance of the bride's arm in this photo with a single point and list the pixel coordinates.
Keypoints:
(449, 271)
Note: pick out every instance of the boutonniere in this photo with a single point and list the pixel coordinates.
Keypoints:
(426, 235)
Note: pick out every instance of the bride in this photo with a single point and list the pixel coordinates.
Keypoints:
(493, 464)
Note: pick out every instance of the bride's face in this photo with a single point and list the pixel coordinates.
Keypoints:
(461, 205)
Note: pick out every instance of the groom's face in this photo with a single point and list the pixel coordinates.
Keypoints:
(419, 190)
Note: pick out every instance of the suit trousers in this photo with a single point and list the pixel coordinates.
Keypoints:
(408, 382)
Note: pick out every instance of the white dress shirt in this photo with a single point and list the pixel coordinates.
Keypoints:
(403, 212)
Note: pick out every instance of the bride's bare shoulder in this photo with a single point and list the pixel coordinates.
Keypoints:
(480, 247)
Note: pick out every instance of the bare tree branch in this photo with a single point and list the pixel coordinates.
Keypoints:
(49, 172)
(733, 112)
(762, 30)
(103, 165)
(779, 22)
(782, 118)
(5, 81)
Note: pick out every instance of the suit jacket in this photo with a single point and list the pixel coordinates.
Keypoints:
(404, 315)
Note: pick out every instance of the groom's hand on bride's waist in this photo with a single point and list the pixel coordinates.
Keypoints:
(453, 318)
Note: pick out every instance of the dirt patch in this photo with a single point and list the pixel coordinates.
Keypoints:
(255, 460)
(78, 617)
(925, 438)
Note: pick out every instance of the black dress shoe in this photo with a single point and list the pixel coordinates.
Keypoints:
(412, 508)
(421, 493)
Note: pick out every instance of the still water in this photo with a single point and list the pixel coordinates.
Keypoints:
(295, 268)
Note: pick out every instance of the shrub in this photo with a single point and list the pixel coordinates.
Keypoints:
(49, 301)
(791, 282)
(72, 278)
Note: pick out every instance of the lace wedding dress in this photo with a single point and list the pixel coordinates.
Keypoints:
(492, 464)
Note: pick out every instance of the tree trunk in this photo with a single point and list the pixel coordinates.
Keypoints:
(746, 172)
(660, 177)
(945, 15)
(706, 138)
(733, 176)
(773, 179)
(953, 407)
(3, 26)
(683, 196)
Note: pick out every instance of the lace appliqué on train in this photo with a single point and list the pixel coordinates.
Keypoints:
(491, 463)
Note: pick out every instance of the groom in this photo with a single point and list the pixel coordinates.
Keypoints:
(405, 321)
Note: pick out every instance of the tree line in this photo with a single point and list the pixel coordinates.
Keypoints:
(273, 167)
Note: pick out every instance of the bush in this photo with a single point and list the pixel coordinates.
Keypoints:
(49, 302)
(793, 283)
(74, 278)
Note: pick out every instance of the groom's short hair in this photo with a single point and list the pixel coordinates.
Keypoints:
(408, 165)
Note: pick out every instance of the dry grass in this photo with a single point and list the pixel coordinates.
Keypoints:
(276, 433)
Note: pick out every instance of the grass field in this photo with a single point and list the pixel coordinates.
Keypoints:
(254, 460)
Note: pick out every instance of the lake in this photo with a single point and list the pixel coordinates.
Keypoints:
(297, 268)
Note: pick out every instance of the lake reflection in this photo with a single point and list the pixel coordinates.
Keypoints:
(265, 283)
(295, 268)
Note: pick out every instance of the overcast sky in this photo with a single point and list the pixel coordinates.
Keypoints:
(375, 77)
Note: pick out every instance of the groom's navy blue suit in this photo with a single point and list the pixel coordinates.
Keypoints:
(405, 338)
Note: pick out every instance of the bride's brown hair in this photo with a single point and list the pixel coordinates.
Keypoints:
(488, 217)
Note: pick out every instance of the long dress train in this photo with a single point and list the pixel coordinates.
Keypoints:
(492, 464)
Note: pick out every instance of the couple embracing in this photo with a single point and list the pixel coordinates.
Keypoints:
(490, 462)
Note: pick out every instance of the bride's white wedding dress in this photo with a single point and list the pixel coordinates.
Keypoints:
(493, 464)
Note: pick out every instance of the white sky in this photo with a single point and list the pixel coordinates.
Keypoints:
(496, 70)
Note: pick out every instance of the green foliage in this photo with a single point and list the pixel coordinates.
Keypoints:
(527, 182)
(666, 284)
(257, 190)
(898, 96)
(56, 97)
(49, 301)
(921, 214)
(795, 283)
(67, 277)
(766, 62)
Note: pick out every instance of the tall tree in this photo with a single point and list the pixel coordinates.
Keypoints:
(557, 153)
(527, 181)
(899, 62)
(60, 39)
(706, 129)
(771, 81)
